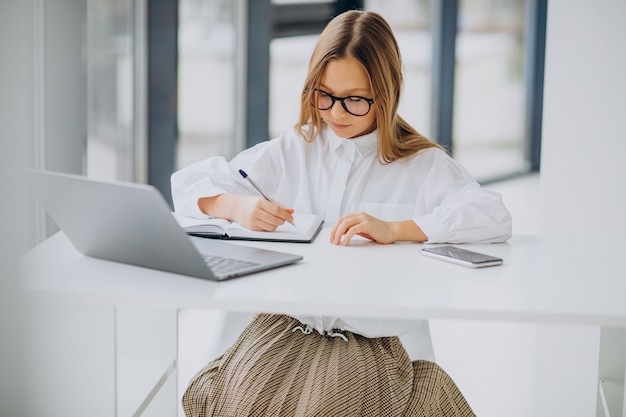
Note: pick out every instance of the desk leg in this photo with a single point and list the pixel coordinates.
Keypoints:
(146, 350)
(611, 373)
(565, 375)
(419, 343)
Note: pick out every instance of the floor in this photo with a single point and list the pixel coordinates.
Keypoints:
(492, 362)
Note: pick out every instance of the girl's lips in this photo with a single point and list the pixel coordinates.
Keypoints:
(340, 126)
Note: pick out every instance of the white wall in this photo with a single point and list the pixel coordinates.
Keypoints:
(16, 102)
(583, 164)
(42, 107)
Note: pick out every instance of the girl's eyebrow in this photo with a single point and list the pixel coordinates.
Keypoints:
(350, 92)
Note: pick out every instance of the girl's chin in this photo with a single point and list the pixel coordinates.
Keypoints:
(343, 131)
(349, 131)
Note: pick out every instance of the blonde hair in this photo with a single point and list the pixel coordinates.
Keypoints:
(366, 37)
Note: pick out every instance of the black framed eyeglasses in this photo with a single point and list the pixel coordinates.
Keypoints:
(355, 105)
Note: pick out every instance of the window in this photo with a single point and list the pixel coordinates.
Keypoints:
(207, 78)
(111, 82)
(489, 100)
(490, 125)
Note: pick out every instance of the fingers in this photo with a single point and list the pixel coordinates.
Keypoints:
(279, 212)
(361, 224)
(348, 226)
(267, 216)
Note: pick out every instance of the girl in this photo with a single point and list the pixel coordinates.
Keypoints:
(352, 158)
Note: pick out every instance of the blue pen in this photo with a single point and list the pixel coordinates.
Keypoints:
(256, 187)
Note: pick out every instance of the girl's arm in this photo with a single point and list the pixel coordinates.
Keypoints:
(196, 189)
(450, 207)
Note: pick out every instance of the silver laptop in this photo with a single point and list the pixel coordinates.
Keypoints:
(132, 224)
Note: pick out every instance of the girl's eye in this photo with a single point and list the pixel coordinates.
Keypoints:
(354, 99)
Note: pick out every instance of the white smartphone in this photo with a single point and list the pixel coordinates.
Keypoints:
(461, 256)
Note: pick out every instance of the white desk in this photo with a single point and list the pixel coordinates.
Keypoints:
(543, 279)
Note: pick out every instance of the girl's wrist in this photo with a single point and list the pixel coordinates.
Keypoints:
(407, 230)
(221, 205)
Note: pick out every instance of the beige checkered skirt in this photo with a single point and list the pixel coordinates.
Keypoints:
(272, 370)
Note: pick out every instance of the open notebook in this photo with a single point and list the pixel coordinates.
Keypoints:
(306, 228)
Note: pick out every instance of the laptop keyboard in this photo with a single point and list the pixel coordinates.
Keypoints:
(222, 265)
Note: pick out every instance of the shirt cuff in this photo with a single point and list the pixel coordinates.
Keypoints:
(433, 228)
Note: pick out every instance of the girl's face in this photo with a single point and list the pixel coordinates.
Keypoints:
(342, 78)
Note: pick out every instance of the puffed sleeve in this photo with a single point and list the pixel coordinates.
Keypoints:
(458, 209)
(215, 175)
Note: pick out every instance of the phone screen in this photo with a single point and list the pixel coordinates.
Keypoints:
(462, 256)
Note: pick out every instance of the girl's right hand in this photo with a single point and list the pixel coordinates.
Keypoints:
(252, 212)
(256, 213)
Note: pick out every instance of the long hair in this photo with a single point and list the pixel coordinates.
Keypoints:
(366, 37)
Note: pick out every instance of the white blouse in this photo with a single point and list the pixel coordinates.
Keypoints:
(334, 176)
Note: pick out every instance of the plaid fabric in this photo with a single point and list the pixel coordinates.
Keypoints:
(273, 371)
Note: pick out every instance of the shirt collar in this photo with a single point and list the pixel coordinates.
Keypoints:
(363, 144)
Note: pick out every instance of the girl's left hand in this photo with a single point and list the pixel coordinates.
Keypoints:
(364, 225)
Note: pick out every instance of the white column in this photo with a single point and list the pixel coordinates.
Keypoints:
(583, 175)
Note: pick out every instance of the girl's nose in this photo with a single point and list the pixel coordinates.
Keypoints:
(337, 110)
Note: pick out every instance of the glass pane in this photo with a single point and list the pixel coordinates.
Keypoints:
(489, 108)
(206, 79)
(110, 68)
(289, 60)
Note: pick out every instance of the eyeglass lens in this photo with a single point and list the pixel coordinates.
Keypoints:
(355, 105)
